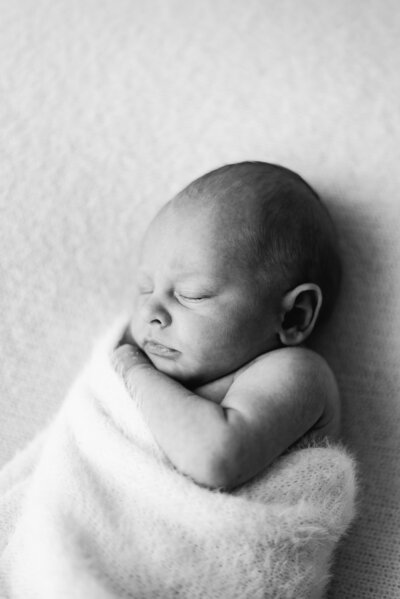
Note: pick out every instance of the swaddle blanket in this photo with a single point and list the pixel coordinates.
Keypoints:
(94, 510)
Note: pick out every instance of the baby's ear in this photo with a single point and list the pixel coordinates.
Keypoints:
(300, 310)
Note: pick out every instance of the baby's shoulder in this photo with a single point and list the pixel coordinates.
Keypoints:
(293, 362)
(302, 376)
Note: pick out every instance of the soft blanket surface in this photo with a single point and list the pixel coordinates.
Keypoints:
(109, 107)
(93, 509)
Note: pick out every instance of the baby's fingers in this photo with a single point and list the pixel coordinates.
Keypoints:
(125, 357)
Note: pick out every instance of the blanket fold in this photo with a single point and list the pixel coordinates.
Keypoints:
(93, 509)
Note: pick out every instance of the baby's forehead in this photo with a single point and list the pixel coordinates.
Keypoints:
(201, 225)
(218, 215)
(230, 223)
(193, 226)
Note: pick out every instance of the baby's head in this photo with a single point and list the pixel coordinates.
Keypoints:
(242, 261)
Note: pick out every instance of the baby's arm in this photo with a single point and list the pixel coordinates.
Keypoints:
(274, 402)
(192, 430)
(271, 403)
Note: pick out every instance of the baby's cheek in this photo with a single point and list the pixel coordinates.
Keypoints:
(134, 329)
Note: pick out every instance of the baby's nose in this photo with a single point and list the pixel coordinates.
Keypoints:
(155, 312)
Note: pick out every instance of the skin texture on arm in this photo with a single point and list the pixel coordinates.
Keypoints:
(268, 405)
(189, 428)
(274, 402)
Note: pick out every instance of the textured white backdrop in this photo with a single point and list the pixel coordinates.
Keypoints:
(108, 107)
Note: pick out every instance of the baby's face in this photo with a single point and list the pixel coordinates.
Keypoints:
(199, 312)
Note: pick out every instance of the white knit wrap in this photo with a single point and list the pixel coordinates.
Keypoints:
(93, 509)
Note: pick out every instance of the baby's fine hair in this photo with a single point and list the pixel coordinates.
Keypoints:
(292, 233)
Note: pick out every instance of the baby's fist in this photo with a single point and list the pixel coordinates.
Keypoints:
(126, 357)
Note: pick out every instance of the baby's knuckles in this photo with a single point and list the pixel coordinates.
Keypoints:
(126, 358)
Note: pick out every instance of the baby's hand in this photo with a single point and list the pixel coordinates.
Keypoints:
(125, 358)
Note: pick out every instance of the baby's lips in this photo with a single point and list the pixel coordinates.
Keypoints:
(159, 349)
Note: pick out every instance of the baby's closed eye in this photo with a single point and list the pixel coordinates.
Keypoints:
(190, 296)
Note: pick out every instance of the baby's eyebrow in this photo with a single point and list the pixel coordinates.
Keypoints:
(197, 277)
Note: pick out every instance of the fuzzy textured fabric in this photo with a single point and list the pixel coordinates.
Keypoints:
(109, 107)
(93, 509)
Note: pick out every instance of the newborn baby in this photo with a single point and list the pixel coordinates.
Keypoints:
(235, 273)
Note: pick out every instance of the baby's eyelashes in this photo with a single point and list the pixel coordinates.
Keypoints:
(191, 298)
(145, 291)
(144, 285)
(181, 298)
(194, 296)
(183, 295)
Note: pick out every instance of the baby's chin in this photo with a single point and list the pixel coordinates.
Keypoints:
(188, 370)
(189, 376)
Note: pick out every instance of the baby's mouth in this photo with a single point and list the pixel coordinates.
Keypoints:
(158, 349)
